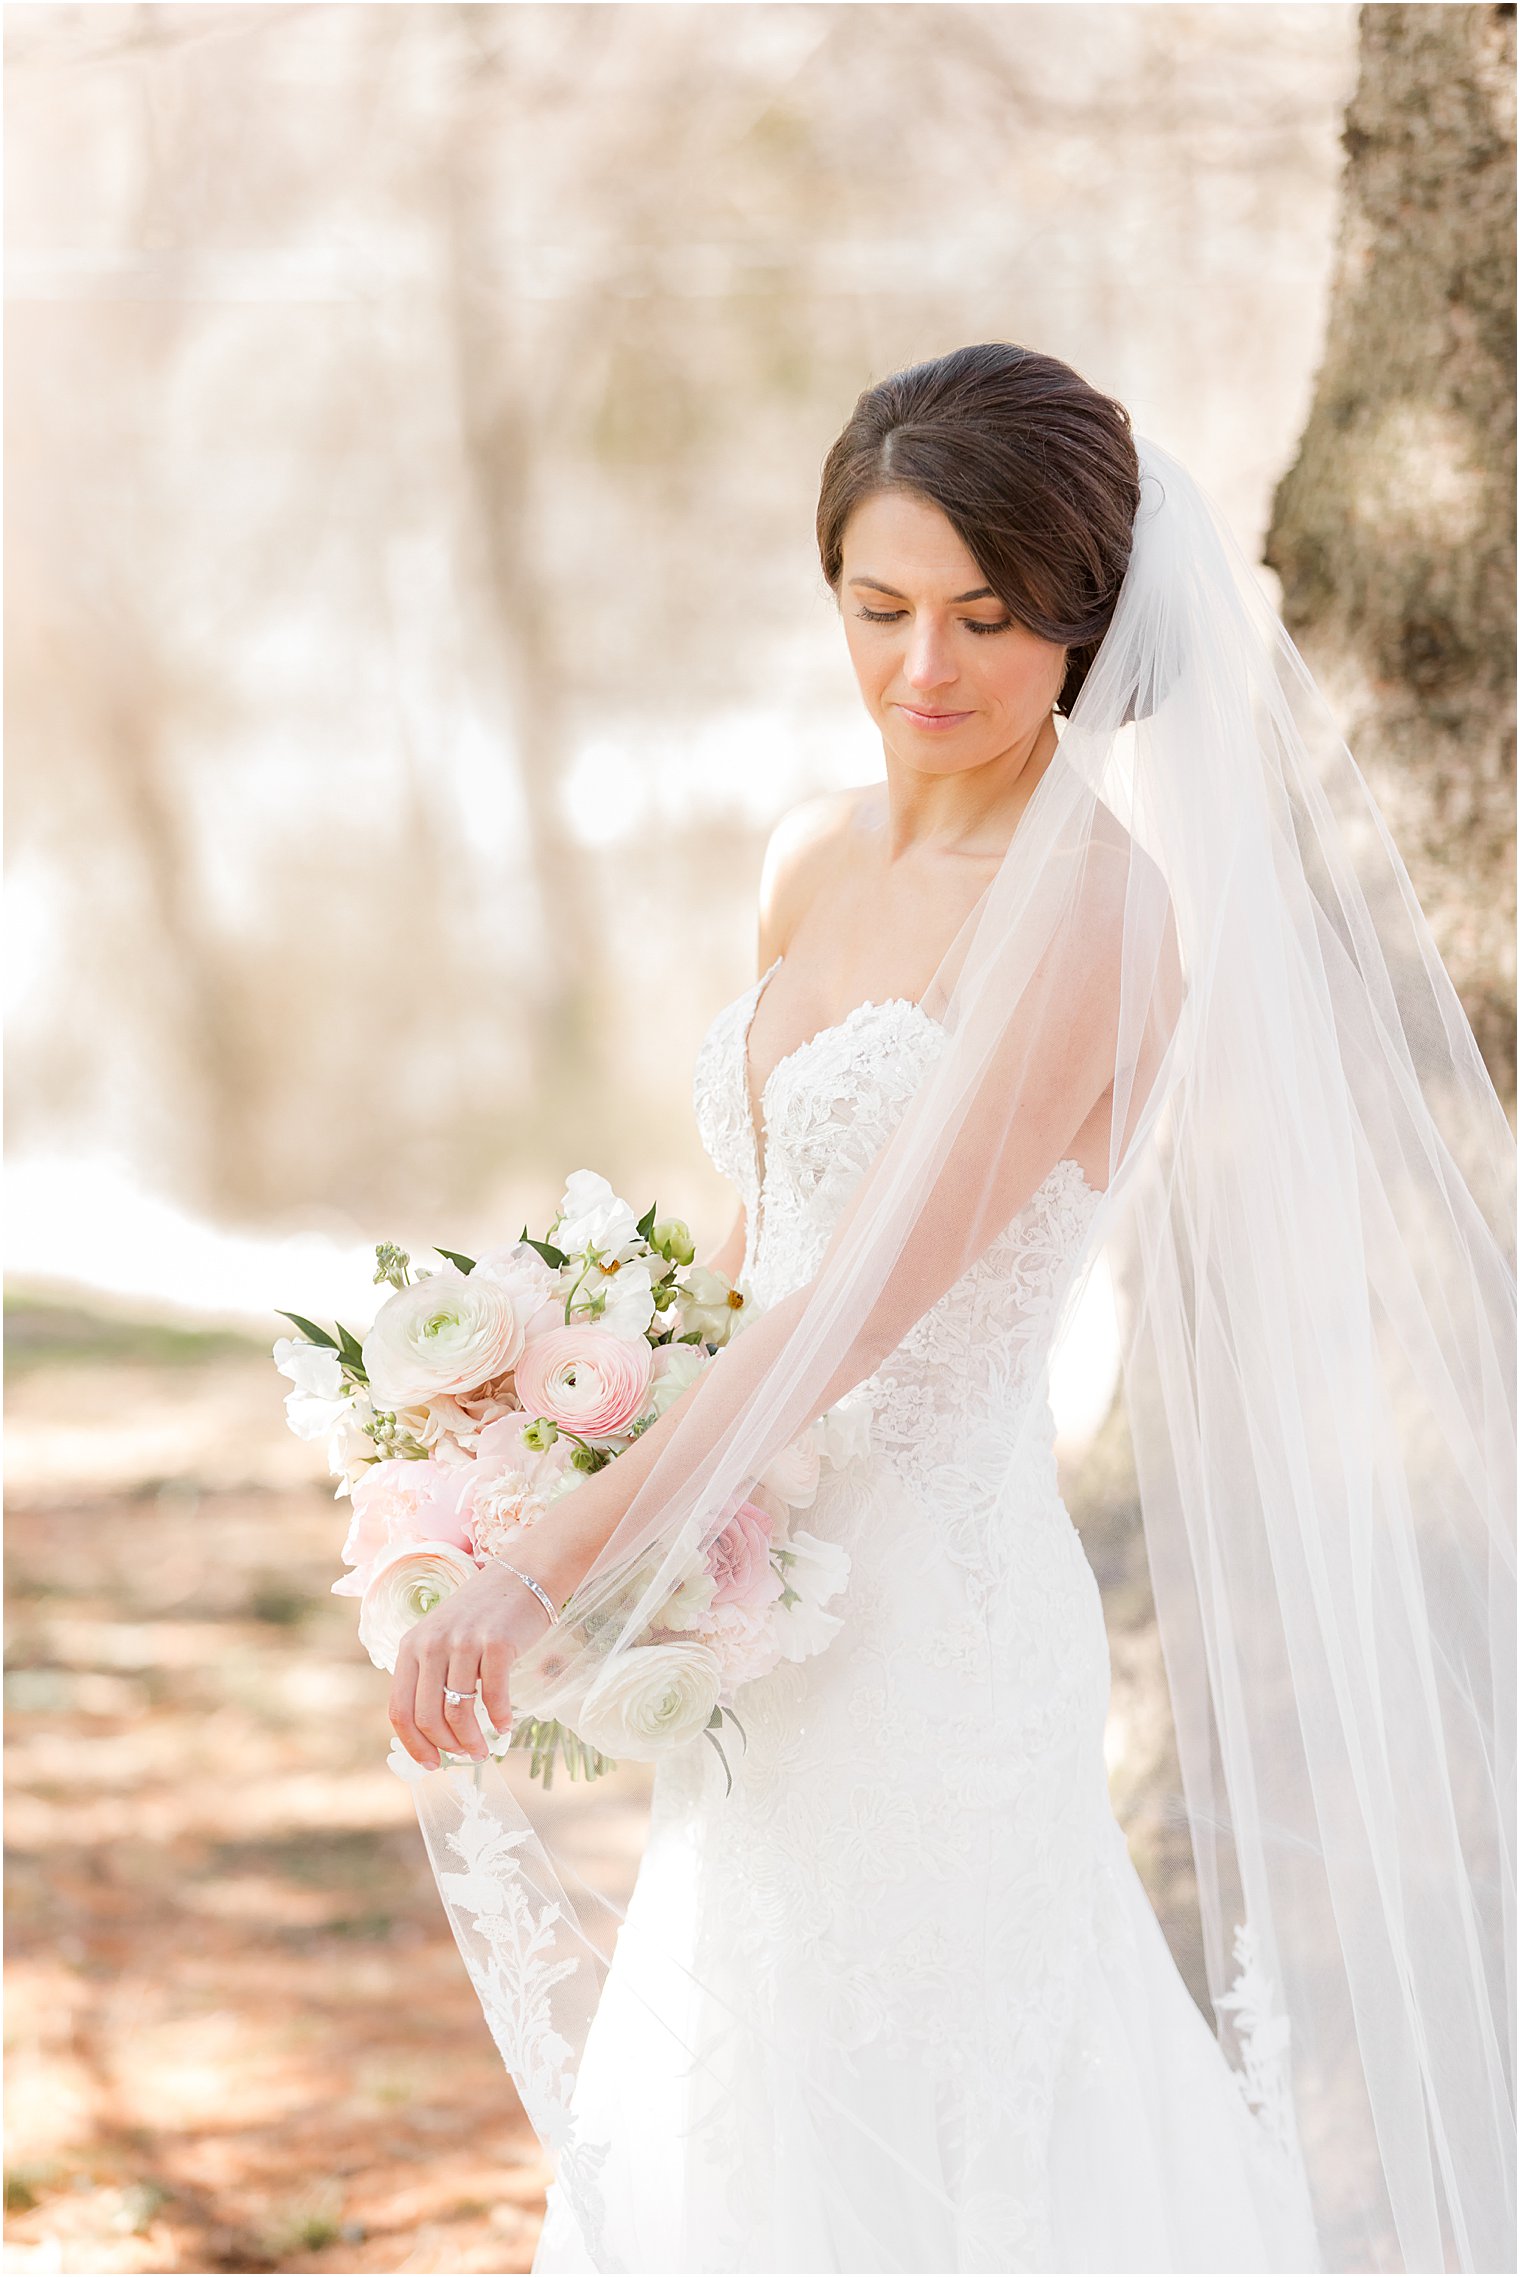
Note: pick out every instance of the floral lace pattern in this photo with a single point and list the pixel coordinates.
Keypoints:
(939, 1770)
(897, 1916)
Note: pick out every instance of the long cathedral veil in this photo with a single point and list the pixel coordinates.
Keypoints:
(1201, 918)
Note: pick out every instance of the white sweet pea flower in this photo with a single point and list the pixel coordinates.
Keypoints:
(792, 1476)
(815, 1571)
(592, 1218)
(313, 1368)
(326, 1404)
(627, 1297)
(350, 1449)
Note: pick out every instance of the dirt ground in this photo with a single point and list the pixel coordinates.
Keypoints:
(239, 2036)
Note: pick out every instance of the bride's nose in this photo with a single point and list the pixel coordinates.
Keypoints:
(928, 662)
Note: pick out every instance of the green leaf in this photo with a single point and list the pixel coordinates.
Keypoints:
(352, 1353)
(546, 1250)
(645, 1227)
(465, 1264)
(309, 1330)
(723, 1759)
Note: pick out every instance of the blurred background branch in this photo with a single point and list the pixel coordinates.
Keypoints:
(422, 409)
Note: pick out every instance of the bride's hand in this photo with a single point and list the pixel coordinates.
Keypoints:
(470, 1638)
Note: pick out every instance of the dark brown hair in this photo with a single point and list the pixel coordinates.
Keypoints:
(1034, 468)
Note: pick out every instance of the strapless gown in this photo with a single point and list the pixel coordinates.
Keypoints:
(921, 2014)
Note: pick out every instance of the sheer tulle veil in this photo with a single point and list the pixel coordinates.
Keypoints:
(1308, 1222)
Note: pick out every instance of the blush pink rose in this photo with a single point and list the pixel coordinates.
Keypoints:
(509, 1487)
(739, 1560)
(397, 1502)
(586, 1379)
(743, 1641)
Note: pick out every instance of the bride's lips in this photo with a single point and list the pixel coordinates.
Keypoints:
(934, 723)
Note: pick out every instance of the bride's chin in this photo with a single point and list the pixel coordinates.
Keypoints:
(931, 755)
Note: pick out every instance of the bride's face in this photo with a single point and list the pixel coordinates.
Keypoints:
(948, 676)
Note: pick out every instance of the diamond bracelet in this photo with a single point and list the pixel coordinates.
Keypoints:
(539, 1592)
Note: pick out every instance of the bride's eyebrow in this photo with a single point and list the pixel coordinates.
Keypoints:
(982, 592)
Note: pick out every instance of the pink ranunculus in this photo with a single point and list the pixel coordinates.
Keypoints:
(739, 1560)
(396, 1502)
(586, 1379)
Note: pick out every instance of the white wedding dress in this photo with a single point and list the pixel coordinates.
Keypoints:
(935, 2024)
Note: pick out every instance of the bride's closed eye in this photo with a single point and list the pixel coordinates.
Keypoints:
(972, 624)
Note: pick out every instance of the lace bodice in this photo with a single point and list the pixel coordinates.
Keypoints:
(953, 1399)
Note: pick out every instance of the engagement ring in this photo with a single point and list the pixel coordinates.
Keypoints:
(457, 1699)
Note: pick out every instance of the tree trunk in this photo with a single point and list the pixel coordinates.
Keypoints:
(1393, 532)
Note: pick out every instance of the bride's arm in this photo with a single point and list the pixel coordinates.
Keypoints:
(1050, 1067)
(1044, 1079)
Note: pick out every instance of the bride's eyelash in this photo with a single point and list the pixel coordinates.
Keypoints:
(972, 624)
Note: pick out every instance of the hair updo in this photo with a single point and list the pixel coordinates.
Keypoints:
(1034, 468)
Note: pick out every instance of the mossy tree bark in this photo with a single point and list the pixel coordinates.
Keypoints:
(1393, 532)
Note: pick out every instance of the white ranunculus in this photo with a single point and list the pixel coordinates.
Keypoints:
(403, 1588)
(446, 1335)
(815, 1572)
(650, 1699)
(592, 1218)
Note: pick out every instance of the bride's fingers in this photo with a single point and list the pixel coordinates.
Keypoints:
(403, 1707)
(430, 1712)
(460, 1714)
(495, 1691)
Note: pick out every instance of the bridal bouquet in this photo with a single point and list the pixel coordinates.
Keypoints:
(489, 1387)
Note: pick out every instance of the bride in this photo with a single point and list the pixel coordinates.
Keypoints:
(1118, 960)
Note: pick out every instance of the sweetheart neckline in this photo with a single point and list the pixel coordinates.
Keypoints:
(753, 1099)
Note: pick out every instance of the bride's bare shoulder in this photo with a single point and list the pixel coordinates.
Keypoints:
(804, 849)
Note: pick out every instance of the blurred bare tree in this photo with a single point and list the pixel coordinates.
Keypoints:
(1394, 530)
(415, 416)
